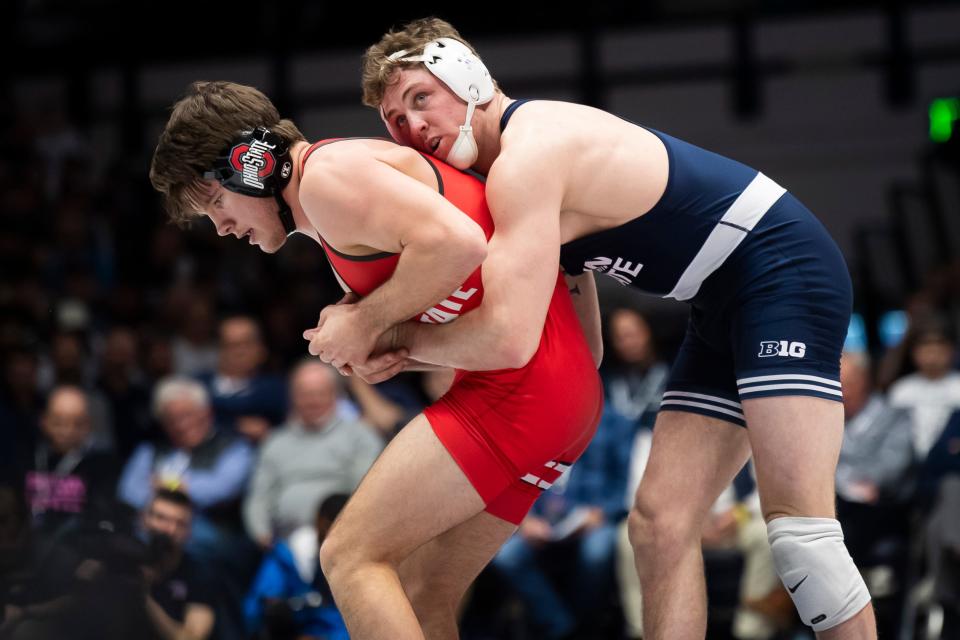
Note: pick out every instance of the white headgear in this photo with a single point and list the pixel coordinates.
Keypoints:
(460, 69)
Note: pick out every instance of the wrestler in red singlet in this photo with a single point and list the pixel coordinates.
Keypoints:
(512, 431)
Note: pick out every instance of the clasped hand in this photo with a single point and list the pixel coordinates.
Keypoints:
(345, 339)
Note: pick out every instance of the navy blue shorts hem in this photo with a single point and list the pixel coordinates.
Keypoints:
(704, 411)
(792, 392)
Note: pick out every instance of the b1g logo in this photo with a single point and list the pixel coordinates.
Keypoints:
(783, 348)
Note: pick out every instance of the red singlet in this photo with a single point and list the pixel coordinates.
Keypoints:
(512, 431)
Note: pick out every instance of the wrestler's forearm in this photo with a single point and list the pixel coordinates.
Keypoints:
(426, 274)
(474, 342)
(502, 333)
(415, 365)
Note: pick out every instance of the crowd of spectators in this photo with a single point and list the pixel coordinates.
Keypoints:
(172, 461)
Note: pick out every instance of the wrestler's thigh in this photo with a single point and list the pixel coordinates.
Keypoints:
(693, 458)
(444, 567)
(414, 492)
(796, 443)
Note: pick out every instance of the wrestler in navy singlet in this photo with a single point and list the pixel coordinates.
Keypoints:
(769, 289)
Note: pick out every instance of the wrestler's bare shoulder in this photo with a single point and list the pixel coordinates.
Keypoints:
(614, 170)
(358, 150)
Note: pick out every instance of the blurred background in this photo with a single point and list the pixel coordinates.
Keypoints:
(153, 397)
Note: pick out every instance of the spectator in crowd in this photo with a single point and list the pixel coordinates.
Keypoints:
(290, 596)
(389, 405)
(317, 453)
(212, 466)
(943, 547)
(633, 376)
(932, 393)
(36, 576)
(436, 382)
(67, 360)
(942, 461)
(21, 405)
(763, 608)
(195, 344)
(877, 451)
(573, 525)
(158, 357)
(244, 399)
(209, 465)
(874, 488)
(69, 363)
(123, 384)
(178, 600)
(736, 552)
(67, 476)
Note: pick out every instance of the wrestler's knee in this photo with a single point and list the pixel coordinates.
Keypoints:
(656, 527)
(341, 553)
(815, 567)
(333, 557)
(798, 502)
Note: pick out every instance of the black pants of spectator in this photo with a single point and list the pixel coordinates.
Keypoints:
(878, 537)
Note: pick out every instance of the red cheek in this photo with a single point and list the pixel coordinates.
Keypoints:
(396, 133)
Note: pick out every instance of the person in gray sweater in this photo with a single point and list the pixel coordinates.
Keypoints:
(875, 481)
(316, 453)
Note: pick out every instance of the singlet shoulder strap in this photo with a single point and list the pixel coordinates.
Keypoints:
(323, 143)
(508, 113)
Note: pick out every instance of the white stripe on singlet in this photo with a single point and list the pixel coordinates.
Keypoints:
(745, 212)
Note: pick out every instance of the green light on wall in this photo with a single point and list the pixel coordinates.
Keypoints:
(944, 113)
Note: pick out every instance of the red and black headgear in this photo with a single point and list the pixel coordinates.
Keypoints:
(256, 163)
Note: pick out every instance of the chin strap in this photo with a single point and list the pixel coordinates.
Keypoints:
(286, 215)
(463, 153)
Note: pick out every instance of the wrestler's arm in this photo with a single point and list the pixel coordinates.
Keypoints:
(583, 292)
(354, 199)
(519, 274)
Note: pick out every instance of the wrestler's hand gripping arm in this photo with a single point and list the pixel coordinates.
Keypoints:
(519, 275)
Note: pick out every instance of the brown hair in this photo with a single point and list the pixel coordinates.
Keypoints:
(201, 125)
(378, 69)
(174, 496)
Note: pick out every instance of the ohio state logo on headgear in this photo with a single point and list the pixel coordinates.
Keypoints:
(253, 161)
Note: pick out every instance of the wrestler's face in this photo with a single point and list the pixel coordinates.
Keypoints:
(422, 112)
(246, 218)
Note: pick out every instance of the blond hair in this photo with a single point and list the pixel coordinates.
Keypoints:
(377, 67)
(201, 125)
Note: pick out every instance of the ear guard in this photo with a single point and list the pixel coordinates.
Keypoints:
(464, 73)
(257, 163)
